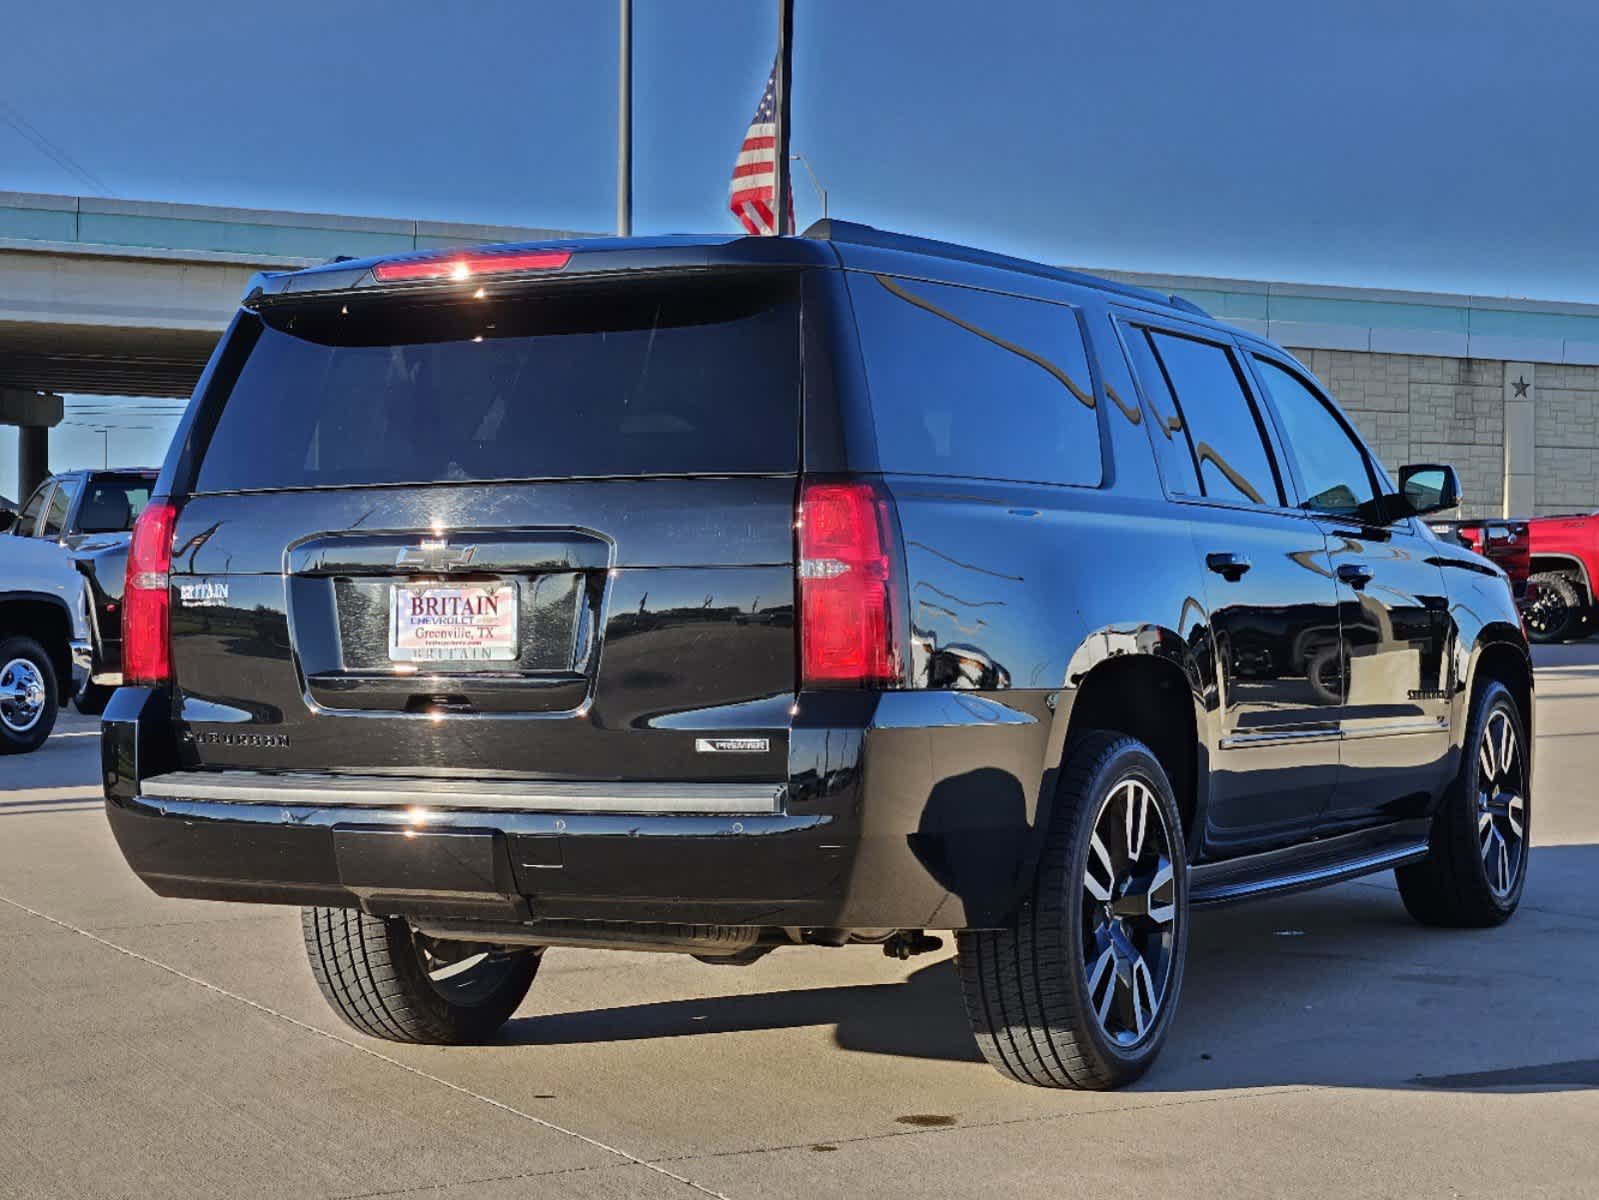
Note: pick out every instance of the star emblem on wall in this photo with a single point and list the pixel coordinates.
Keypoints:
(1521, 385)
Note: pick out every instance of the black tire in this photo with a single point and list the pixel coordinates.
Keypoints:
(91, 701)
(1454, 886)
(1029, 988)
(1556, 614)
(1325, 672)
(374, 972)
(28, 692)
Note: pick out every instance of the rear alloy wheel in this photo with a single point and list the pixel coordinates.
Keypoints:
(27, 695)
(1080, 990)
(1555, 614)
(1474, 874)
(391, 982)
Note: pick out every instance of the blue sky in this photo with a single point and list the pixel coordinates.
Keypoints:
(1433, 144)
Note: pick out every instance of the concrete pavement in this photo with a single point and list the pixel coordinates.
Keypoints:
(1326, 1046)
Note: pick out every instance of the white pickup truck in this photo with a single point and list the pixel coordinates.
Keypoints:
(45, 649)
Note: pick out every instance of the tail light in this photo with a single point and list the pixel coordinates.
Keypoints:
(851, 628)
(146, 602)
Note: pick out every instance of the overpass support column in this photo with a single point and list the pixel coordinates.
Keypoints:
(33, 459)
(35, 413)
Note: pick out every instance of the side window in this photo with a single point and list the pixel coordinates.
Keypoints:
(1172, 447)
(1223, 427)
(976, 384)
(29, 519)
(55, 517)
(1331, 465)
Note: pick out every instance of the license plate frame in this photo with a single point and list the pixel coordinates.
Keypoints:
(476, 622)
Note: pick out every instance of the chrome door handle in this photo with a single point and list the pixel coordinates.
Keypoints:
(1356, 575)
(1231, 567)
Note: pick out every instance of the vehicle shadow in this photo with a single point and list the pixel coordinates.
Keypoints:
(1337, 988)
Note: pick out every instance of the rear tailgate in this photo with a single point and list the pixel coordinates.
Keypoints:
(537, 535)
(1505, 543)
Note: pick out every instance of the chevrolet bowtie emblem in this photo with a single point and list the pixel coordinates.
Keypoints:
(436, 556)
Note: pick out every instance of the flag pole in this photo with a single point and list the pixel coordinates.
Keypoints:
(781, 208)
(624, 123)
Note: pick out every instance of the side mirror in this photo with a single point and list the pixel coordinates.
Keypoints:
(7, 520)
(1428, 488)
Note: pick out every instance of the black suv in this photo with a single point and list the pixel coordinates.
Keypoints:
(721, 594)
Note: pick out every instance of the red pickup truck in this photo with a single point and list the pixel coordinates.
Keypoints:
(1564, 565)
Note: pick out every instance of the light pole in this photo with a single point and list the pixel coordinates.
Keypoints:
(624, 123)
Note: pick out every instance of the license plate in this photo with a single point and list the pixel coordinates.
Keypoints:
(462, 623)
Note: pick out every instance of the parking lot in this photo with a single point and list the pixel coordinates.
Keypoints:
(1325, 1046)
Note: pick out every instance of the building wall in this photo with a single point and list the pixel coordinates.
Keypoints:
(1422, 408)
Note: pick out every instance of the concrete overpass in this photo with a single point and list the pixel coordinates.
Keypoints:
(117, 297)
(126, 298)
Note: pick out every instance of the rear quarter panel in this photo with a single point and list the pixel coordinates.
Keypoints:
(1016, 592)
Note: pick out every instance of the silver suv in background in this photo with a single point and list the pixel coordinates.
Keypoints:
(45, 650)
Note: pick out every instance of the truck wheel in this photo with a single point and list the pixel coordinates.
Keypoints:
(1554, 615)
(27, 695)
(91, 701)
(1474, 874)
(1079, 990)
(388, 981)
(1325, 672)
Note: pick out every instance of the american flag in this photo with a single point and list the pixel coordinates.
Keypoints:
(754, 173)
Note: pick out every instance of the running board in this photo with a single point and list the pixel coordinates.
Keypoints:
(1312, 865)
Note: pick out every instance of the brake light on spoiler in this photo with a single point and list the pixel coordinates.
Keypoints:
(470, 264)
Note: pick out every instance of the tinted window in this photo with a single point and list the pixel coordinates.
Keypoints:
(1172, 447)
(55, 517)
(1330, 464)
(31, 510)
(111, 503)
(972, 383)
(657, 379)
(1229, 443)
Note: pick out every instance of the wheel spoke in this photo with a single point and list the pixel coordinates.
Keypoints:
(1099, 890)
(1515, 811)
(1137, 820)
(1485, 760)
(1507, 745)
(1143, 989)
(1103, 975)
(1493, 856)
(1160, 902)
(460, 966)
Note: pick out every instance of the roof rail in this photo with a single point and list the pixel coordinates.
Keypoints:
(1177, 301)
(854, 233)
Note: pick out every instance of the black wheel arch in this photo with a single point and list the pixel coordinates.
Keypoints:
(47, 619)
(1500, 653)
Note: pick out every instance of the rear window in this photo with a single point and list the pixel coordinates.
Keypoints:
(650, 379)
(113, 503)
(976, 384)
